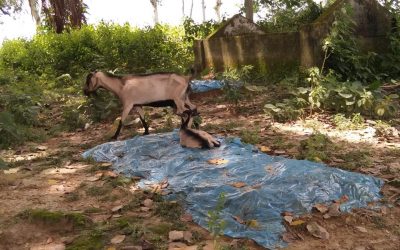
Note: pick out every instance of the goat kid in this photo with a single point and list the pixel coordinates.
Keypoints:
(194, 138)
(135, 91)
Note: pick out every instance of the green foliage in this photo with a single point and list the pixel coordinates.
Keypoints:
(250, 136)
(315, 148)
(195, 31)
(343, 123)
(287, 16)
(287, 110)
(92, 240)
(55, 217)
(233, 78)
(105, 46)
(216, 224)
(10, 133)
(74, 116)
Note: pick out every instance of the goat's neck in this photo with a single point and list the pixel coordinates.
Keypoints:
(111, 84)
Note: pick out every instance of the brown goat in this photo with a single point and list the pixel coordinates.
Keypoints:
(135, 91)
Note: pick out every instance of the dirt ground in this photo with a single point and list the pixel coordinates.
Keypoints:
(51, 198)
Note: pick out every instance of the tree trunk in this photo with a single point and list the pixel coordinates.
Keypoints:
(191, 10)
(203, 7)
(218, 9)
(248, 6)
(155, 9)
(183, 9)
(33, 5)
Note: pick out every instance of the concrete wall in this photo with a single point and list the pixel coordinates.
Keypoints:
(273, 50)
(265, 51)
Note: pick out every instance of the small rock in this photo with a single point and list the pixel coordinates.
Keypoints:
(41, 148)
(117, 208)
(51, 246)
(279, 152)
(321, 208)
(148, 203)
(288, 219)
(132, 248)
(175, 235)
(186, 218)
(188, 236)
(326, 216)
(362, 229)
(117, 239)
(144, 209)
(116, 215)
(334, 210)
(87, 125)
(317, 231)
(221, 106)
(49, 240)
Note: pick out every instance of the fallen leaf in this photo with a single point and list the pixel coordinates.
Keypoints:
(288, 219)
(117, 208)
(362, 229)
(334, 210)
(144, 209)
(11, 170)
(148, 203)
(41, 148)
(105, 164)
(253, 224)
(96, 177)
(279, 152)
(238, 219)
(288, 237)
(337, 160)
(238, 184)
(175, 235)
(256, 186)
(286, 213)
(117, 239)
(297, 222)
(188, 236)
(110, 174)
(117, 215)
(265, 149)
(186, 218)
(321, 208)
(326, 216)
(52, 182)
(49, 240)
(343, 199)
(317, 231)
(217, 161)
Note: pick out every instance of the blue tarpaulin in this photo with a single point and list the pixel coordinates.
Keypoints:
(199, 86)
(272, 184)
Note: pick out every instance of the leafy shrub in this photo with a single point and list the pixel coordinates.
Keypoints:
(343, 123)
(10, 131)
(250, 136)
(315, 148)
(287, 110)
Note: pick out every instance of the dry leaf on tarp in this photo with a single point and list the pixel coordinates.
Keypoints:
(238, 184)
(321, 208)
(217, 161)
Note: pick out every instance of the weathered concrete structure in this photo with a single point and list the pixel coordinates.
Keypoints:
(241, 42)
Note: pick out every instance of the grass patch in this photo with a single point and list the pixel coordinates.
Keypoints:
(250, 136)
(92, 240)
(71, 197)
(316, 148)
(98, 191)
(343, 123)
(171, 212)
(55, 217)
(356, 159)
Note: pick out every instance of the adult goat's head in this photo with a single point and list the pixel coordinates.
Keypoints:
(91, 84)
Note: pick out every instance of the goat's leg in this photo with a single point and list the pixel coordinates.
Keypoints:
(124, 115)
(140, 111)
(180, 106)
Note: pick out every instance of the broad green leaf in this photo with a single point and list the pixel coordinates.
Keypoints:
(344, 95)
(349, 103)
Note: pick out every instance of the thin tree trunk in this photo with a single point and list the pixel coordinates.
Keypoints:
(33, 4)
(183, 9)
(191, 10)
(218, 9)
(203, 7)
(248, 6)
(155, 9)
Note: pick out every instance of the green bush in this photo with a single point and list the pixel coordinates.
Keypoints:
(105, 46)
(10, 132)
